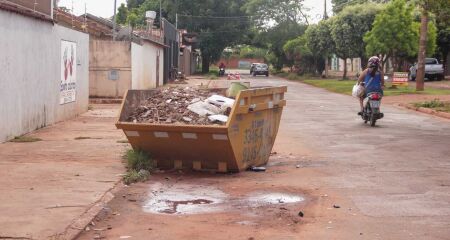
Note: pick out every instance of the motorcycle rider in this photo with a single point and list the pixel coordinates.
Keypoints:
(221, 66)
(372, 78)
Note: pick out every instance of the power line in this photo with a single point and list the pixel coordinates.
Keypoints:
(219, 17)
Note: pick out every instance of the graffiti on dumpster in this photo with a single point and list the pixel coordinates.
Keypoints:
(257, 140)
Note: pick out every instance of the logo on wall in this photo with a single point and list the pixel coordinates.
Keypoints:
(68, 72)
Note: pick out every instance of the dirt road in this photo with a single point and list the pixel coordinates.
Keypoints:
(347, 180)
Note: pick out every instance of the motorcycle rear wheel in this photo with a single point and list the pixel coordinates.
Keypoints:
(373, 120)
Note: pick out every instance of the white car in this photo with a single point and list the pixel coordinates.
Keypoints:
(433, 70)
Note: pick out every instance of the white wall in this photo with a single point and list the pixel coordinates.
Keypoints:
(30, 52)
(143, 65)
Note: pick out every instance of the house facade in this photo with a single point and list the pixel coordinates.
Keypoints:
(45, 69)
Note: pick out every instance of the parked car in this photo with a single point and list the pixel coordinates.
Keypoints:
(259, 69)
(252, 67)
(433, 70)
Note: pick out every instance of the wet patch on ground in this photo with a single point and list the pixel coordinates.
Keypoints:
(183, 199)
(199, 199)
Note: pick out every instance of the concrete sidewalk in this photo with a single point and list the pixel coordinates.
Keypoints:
(50, 188)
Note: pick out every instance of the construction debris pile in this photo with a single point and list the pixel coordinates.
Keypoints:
(177, 105)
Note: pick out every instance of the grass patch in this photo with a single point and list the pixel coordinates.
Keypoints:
(85, 138)
(435, 104)
(134, 176)
(290, 76)
(213, 74)
(293, 76)
(139, 165)
(345, 87)
(212, 77)
(82, 138)
(25, 139)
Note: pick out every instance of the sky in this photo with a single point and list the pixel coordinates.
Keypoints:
(105, 8)
(101, 8)
(316, 9)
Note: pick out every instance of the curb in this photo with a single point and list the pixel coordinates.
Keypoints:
(426, 110)
(105, 101)
(79, 224)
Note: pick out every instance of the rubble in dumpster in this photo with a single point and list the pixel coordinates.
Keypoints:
(183, 105)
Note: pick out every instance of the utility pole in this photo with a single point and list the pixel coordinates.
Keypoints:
(85, 17)
(325, 17)
(114, 21)
(160, 15)
(72, 15)
(176, 20)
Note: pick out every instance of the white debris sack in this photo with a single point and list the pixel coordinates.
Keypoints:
(203, 108)
(221, 101)
(218, 118)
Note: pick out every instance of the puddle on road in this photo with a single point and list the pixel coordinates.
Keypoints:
(195, 199)
(184, 199)
(274, 198)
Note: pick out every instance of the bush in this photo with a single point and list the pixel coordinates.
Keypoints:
(138, 160)
(431, 104)
(139, 165)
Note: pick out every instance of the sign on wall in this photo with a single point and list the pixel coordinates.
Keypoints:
(68, 72)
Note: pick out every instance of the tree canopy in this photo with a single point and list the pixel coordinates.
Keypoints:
(276, 22)
(274, 12)
(395, 33)
(299, 55)
(339, 5)
(219, 24)
(319, 39)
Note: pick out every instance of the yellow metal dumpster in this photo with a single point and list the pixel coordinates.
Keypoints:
(246, 140)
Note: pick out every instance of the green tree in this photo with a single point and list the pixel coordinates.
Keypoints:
(339, 5)
(443, 41)
(300, 55)
(348, 29)
(276, 23)
(274, 12)
(274, 39)
(132, 19)
(134, 3)
(426, 7)
(343, 38)
(252, 52)
(219, 24)
(122, 13)
(394, 33)
(443, 31)
(319, 41)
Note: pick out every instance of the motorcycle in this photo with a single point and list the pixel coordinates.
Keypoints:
(371, 108)
(221, 72)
